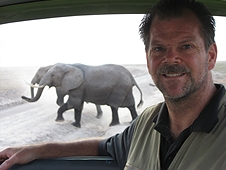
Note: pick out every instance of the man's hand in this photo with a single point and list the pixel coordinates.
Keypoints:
(12, 156)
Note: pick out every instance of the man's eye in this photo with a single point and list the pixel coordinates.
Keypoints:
(187, 46)
(159, 49)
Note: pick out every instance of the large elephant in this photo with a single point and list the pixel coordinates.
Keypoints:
(103, 85)
(60, 96)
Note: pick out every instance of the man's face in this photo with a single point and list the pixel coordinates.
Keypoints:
(177, 59)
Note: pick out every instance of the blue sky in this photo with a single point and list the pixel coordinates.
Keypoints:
(91, 40)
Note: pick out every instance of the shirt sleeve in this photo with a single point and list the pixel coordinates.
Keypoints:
(118, 145)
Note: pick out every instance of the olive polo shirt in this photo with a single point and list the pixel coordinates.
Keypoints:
(118, 146)
(204, 123)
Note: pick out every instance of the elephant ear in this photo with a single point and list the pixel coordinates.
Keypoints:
(72, 79)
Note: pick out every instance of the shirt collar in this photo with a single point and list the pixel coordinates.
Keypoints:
(206, 120)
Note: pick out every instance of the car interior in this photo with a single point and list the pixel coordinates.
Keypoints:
(24, 10)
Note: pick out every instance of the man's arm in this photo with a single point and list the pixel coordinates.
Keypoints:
(23, 155)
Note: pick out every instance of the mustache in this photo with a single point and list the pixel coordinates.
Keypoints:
(173, 69)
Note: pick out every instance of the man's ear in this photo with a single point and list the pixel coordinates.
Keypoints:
(212, 56)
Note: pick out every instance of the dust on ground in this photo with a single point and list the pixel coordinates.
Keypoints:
(28, 123)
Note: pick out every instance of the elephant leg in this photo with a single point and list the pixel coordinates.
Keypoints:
(115, 118)
(99, 111)
(133, 111)
(60, 112)
(60, 101)
(60, 98)
(77, 115)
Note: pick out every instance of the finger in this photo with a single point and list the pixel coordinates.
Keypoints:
(3, 156)
(6, 164)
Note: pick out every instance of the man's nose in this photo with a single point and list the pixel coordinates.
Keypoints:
(172, 56)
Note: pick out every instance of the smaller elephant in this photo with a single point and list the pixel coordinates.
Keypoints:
(60, 96)
(102, 85)
(38, 76)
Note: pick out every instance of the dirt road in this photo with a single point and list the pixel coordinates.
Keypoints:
(30, 123)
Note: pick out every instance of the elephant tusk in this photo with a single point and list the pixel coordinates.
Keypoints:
(34, 86)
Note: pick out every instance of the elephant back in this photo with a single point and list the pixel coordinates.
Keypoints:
(108, 75)
(108, 84)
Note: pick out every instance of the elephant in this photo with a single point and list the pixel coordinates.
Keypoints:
(60, 97)
(107, 84)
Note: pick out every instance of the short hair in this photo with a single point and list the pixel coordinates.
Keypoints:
(166, 9)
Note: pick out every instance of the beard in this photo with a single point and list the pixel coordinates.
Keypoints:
(191, 86)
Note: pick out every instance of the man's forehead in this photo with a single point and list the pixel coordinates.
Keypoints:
(186, 23)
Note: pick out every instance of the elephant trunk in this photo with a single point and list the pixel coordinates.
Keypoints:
(36, 97)
(32, 92)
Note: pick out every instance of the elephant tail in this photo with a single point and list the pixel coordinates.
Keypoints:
(141, 96)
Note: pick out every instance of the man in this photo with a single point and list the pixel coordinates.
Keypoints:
(184, 132)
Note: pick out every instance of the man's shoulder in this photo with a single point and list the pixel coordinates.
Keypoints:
(152, 110)
(149, 113)
(222, 93)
